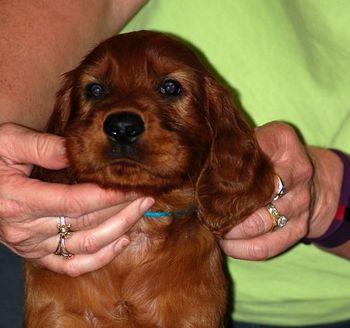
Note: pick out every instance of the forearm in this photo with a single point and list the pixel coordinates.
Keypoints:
(342, 250)
(40, 40)
(327, 182)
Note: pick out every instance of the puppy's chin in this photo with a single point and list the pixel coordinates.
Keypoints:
(129, 177)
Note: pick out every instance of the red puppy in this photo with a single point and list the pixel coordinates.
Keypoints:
(141, 113)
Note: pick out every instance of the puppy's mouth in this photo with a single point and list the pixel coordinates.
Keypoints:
(125, 163)
(124, 152)
(129, 175)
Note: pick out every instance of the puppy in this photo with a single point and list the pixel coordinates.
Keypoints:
(141, 113)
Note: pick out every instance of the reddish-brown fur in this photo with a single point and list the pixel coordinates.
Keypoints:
(196, 150)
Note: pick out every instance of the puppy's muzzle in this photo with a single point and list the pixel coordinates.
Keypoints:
(123, 128)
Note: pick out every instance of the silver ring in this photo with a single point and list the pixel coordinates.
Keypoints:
(278, 220)
(64, 231)
(281, 189)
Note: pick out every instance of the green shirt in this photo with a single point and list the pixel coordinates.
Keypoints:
(288, 60)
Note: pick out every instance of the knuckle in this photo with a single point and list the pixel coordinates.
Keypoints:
(89, 244)
(304, 201)
(306, 170)
(307, 198)
(254, 225)
(126, 220)
(71, 206)
(87, 220)
(282, 126)
(301, 229)
(258, 252)
(286, 130)
(29, 251)
(72, 269)
(102, 258)
(41, 143)
(12, 236)
(45, 145)
(10, 209)
(38, 147)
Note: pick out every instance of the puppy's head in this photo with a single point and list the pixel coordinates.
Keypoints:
(142, 113)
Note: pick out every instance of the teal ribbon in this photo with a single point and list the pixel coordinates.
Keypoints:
(156, 214)
(178, 214)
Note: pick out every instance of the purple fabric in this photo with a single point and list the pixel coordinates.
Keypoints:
(339, 230)
(345, 189)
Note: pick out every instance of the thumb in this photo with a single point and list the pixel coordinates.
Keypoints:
(21, 145)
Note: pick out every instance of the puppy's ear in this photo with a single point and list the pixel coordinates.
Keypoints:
(62, 109)
(237, 178)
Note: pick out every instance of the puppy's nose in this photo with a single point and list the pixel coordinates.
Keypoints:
(123, 128)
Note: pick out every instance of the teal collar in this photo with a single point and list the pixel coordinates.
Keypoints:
(157, 214)
(176, 214)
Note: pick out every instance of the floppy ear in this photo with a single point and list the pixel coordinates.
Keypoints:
(62, 109)
(237, 178)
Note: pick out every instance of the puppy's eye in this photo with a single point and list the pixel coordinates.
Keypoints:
(170, 88)
(95, 90)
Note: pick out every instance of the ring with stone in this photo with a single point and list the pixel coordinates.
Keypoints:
(278, 220)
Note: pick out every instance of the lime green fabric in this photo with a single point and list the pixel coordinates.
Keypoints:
(288, 60)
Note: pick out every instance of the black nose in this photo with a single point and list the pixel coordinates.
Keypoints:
(123, 128)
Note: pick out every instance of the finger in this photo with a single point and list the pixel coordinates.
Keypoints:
(27, 236)
(267, 245)
(80, 264)
(261, 221)
(22, 145)
(47, 227)
(35, 198)
(91, 241)
(295, 205)
(256, 224)
(94, 219)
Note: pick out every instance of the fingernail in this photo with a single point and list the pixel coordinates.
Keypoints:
(63, 153)
(146, 203)
(62, 150)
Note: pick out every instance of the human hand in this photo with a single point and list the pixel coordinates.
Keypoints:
(29, 208)
(312, 177)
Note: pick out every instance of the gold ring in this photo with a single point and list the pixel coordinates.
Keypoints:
(278, 220)
(64, 231)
